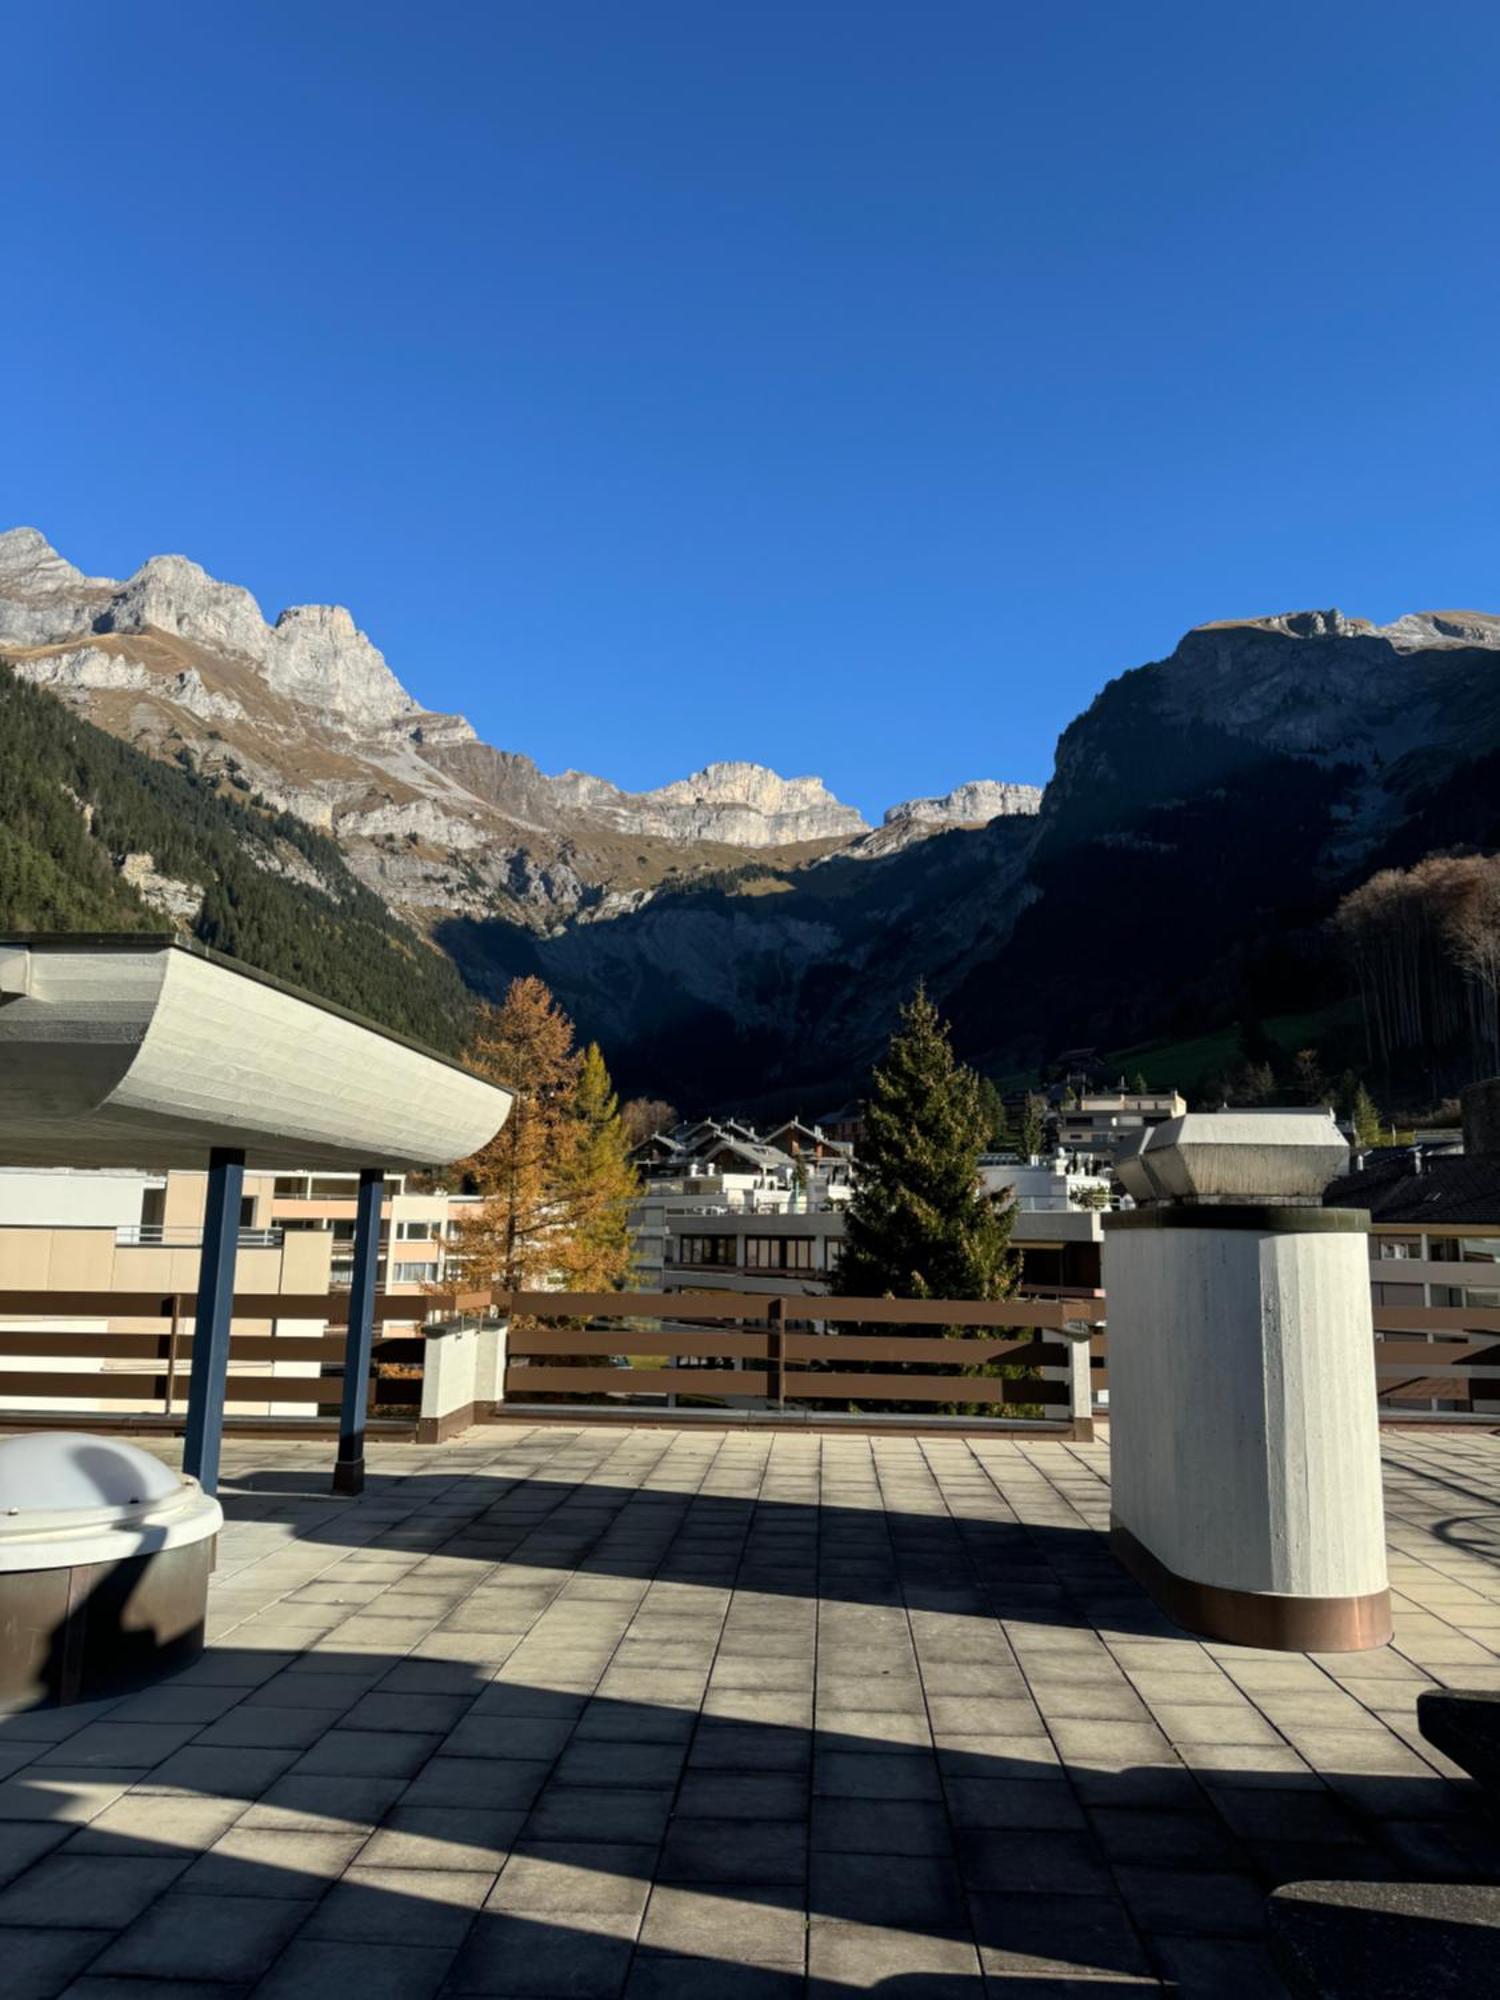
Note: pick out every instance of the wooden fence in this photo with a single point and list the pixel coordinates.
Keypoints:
(780, 1351)
(1449, 1355)
(726, 1349)
(151, 1366)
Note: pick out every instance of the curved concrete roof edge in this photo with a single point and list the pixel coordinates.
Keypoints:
(134, 1050)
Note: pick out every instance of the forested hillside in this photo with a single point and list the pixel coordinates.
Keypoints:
(260, 885)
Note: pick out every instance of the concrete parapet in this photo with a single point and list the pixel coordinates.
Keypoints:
(463, 1375)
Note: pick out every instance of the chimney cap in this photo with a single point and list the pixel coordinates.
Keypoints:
(1285, 1157)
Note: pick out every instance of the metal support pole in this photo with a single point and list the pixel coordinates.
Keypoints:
(349, 1471)
(221, 1235)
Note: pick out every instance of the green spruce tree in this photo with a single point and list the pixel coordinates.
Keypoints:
(1033, 1125)
(1365, 1119)
(992, 1113)
(920, 1225)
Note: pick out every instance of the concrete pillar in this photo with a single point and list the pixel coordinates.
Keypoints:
(1244, 1434)
(489, 1368)
(453, 1356)
(221, 1235)
(349, 1469)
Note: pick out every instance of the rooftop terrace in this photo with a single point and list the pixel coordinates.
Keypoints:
(648, 1712)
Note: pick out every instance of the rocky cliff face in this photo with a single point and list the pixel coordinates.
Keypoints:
(1208, 810)
(306, 713)
(974, 804)
(1204, 813)
(313, 653)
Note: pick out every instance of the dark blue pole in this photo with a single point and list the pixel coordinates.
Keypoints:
(221, 1235)
(349, 1471)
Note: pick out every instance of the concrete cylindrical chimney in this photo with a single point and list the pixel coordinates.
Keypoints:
(1244, 1435)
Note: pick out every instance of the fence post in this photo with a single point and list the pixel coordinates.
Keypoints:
(175, 1303)
(1080, 1338)
(776, 1353)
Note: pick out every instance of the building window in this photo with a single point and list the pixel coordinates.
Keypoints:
(1466, 1250)
(778, 1253)
(1408, 1248)
(833, 1253)
(719, 1250)
(413, 1274)
(416, 1232)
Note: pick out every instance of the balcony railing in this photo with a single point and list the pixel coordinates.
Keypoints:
(53, 1367)
(1037, 1358)
(1041, 1359)
(160, 1236)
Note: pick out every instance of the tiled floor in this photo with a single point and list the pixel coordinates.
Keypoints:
(591, 1712)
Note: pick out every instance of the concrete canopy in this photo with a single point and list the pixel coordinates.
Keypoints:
(147, 1051)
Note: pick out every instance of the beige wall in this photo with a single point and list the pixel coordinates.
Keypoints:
(90, 1260)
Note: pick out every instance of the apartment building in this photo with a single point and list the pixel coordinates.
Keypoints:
(1094, 1127)
(117, 1232)
(416, 1233)
(724, 1206)
(1435, 1262)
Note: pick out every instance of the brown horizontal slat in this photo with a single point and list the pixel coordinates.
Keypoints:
(562, 1340)
(42, 1344)
(710, 1305)
(74, 1305)
(722, 1385)
(1020, 1312)
(285, 1388)
(807, 1388)
(638, 1305)
(904, 1349)
(1436, 1354)
(129, 1385)
(1438, 1319)
(1427, 1389)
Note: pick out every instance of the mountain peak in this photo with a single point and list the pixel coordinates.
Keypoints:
(30, 566)
(1415, 631)
(314, 653)
(748, 805)
(973, 804)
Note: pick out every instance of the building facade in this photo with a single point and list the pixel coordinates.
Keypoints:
(117, 1232)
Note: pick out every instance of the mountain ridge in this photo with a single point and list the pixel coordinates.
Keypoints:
(736, 937)
(57, 625)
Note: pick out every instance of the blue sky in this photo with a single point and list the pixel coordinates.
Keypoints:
(851, 387)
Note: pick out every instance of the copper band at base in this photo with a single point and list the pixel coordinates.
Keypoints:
(1257, 1617)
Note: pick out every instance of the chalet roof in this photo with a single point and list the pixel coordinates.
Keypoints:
(1400, 1186)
